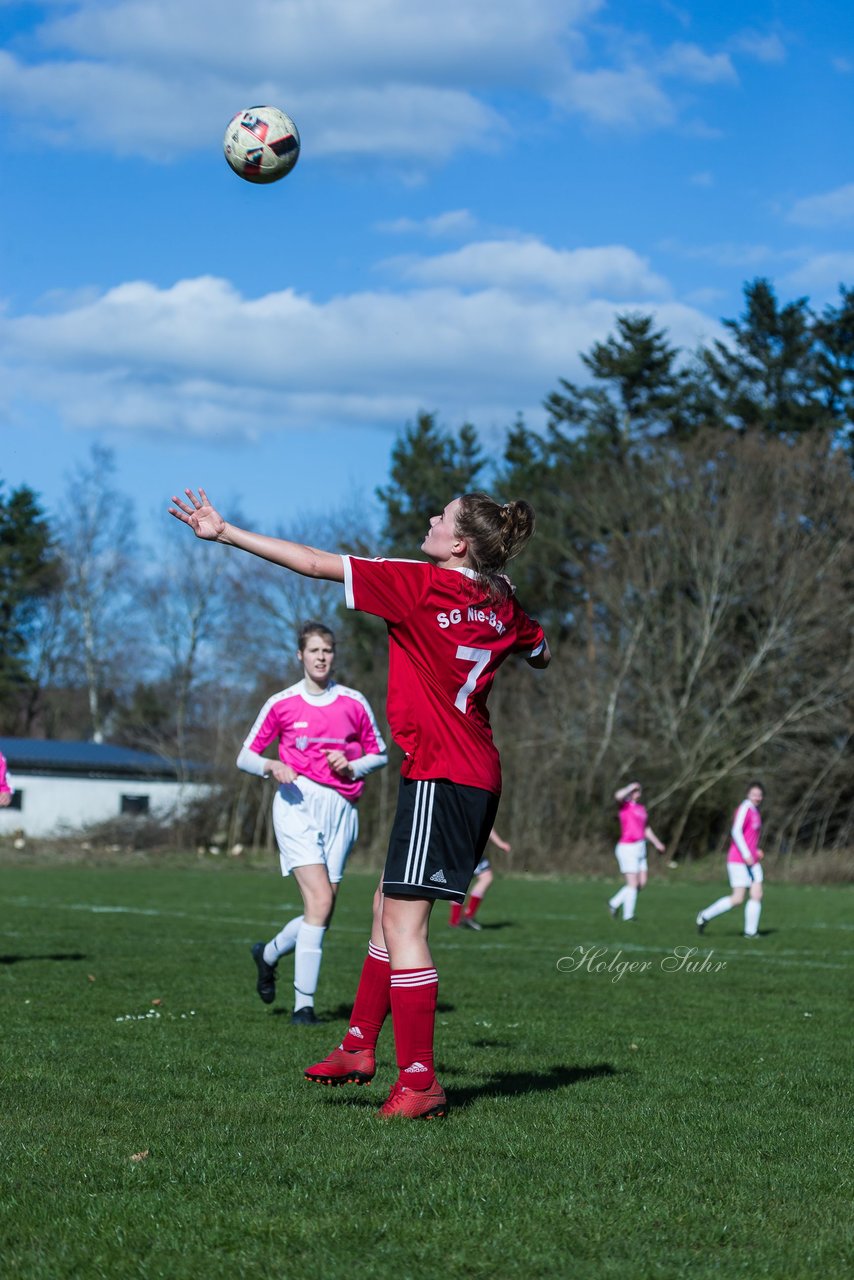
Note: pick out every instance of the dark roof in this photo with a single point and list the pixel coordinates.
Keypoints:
(47, 755)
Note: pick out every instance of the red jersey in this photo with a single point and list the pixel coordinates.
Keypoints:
(446, 642)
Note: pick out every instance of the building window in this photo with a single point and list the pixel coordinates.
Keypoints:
(17, 801)
(134, 804)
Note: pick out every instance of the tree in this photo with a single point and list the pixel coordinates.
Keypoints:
(639, 393)
(97, 549)
(28, 575)
(834, 334)
(769, 378)
(429, 467)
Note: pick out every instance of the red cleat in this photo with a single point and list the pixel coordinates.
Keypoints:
(415, 1104)
(343, 1067)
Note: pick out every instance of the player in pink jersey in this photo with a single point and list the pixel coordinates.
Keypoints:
(328, 744)
(483, 879)
(451, 623)
(631, 849)
(744, 865)
(6, 788)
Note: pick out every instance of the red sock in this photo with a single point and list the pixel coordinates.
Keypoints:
(372, 1003)
(456, 909)
(413, 1012)
(472, 906)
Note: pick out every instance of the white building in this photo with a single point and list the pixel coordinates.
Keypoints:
(62, 786)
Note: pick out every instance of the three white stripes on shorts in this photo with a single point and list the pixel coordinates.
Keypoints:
(419, 840)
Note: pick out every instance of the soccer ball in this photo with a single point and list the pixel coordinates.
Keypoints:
(261, 144)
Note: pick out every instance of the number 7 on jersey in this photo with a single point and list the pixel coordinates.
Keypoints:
(479, 657)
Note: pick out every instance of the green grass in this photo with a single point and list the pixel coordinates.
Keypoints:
(661, 1124)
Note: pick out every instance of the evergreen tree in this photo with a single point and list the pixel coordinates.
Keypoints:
(834, 333)
(638, 393)
(28, 573)
(768, 378)
(429, 467)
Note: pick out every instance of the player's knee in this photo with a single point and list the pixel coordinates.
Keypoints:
(319, 904)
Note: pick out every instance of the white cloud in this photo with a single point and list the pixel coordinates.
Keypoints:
(765, 47)
(381, 77)
(690, 62)
(823, 273)
(456, 222)
(629, 96)
(722, 253)
(843, 65)
(702, 179)
(832, 208)
(201, 360)
(612, 271)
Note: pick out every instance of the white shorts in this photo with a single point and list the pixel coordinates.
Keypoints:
(741, 876)
(631, 857)
(314, 825)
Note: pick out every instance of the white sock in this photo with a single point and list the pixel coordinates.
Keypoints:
(618, 899)
(629, 900)
(309, 951)
(751, 916)
(284, 942)
(716, 909)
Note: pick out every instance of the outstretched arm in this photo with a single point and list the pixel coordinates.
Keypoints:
(208, 524)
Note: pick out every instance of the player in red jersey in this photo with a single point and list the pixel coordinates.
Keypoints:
(483, 879)
(451, 623)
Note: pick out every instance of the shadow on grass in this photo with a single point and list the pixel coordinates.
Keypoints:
(59, 955)
(504, 1084)
(514, 1084)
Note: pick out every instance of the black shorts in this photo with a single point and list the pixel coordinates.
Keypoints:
(438, 837)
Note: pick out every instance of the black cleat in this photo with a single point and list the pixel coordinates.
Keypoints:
(701, 923)
(304, 1017)
(266, 984)
(612, 910)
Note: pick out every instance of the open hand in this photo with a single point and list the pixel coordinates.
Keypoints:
(203, 519)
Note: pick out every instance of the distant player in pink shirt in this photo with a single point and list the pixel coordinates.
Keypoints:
(631, 849)
(744, 865)
(6, 788)
(328, 743)
(452, 621)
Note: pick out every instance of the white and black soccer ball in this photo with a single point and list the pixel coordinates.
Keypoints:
(261, 144)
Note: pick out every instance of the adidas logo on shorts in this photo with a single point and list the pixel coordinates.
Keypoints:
(439, 878)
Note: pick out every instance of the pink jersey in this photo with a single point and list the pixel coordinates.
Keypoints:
(632, 822)
(5, 787)
(746, 825)
(307, 726)
(446, 643)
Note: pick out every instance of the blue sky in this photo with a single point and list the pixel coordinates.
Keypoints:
(482, 188)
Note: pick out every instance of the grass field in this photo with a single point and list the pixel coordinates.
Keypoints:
(658, 1122)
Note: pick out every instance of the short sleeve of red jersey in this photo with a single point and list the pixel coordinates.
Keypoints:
(389, 589)
(530, 637)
